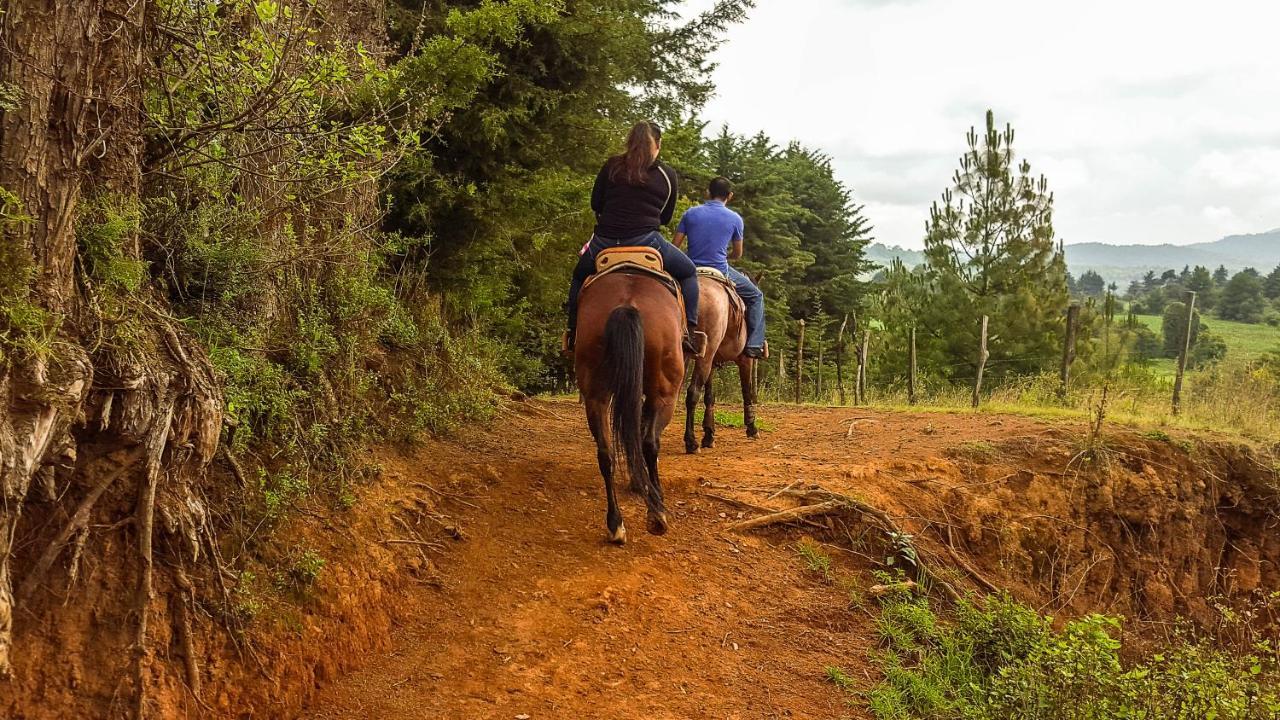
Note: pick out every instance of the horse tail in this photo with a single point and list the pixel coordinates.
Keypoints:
(624, 356)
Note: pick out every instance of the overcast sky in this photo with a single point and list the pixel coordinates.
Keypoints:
(1154, 120)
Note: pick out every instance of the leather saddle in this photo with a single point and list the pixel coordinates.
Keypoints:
(640, 260)
(737, 308)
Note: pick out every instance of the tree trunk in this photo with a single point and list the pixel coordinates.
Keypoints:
(75, 135)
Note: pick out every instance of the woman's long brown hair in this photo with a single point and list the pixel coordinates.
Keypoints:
(632, 167)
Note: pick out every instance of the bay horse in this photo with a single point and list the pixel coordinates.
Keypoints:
(722, 317)
(629, 361)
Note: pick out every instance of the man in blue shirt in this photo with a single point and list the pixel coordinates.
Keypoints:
(715, 237)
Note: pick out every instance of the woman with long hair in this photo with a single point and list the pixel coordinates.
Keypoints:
(633, 197)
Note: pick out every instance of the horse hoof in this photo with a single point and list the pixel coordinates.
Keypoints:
(708, 443)
(752, 432)
(691, 448)
(619, 536)
(658, 523)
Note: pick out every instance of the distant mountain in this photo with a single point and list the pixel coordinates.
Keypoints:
(1123, 263)
(882, 254)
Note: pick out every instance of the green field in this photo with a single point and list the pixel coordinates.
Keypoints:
(1244, 341)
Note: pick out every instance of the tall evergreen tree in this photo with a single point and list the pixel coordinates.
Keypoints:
(1092, 284)
(1201, 282)
(1271, 286)
(498, 194)
(990, 248)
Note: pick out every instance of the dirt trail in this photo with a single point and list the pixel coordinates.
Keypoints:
(538, 617)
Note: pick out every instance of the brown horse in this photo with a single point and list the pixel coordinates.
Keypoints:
(630, 364)
(721, 317)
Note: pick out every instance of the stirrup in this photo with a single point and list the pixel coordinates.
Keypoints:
(566, 344)
(695, 343)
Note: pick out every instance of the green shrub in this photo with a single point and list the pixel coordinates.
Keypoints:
(1000, 660)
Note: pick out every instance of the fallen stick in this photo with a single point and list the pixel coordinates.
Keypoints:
(825, 502)
(750, 506)
(424, 543)
(882, 590)
(786, 516)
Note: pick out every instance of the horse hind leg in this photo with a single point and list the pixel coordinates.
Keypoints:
(654, 422)
(691, 409)
(709, 413)
(604, 456)
(746, 373)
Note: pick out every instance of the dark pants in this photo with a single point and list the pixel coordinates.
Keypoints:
(674, 261)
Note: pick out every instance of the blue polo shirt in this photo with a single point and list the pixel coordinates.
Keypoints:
(711, 227)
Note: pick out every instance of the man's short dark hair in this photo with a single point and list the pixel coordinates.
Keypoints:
(720, 188)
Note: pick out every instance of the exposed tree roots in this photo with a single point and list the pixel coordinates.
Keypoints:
(817, 502)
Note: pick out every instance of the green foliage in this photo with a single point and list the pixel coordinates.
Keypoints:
(1242, 298)
(815, 558)
(1271, 285)
(840, 678)
(106, 229)
(990, 250)
(269, 136)
(26, 329)
(304, 570)
(1000, 659)
(499, 191)
(1173, 328)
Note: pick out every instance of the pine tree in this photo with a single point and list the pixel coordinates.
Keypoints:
(990, 249)
(1220, 276)
(1242, 298)
(1201, 282)
(1271, 286)
(1092, 284)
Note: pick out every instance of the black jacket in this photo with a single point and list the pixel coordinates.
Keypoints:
(625, 211)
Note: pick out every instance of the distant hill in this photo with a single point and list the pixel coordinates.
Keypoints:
(882, 254)
(1123, 263)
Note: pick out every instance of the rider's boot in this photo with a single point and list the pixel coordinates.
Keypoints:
(695, 341)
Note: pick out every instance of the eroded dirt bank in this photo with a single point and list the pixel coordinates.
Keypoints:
(471, 579)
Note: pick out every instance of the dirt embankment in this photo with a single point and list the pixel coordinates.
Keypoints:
(470, 579)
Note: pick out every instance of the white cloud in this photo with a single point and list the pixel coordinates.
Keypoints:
(1155, 121)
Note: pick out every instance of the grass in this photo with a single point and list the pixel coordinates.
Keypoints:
(1245, 341)
(734, 419)
(815, 558)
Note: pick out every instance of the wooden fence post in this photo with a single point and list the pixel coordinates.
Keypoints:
(862, 366)
(1068, 350)
(820, 348)
(911, 376)
(1186, 350)
(982, 363)
(800, 363)
(840, 358)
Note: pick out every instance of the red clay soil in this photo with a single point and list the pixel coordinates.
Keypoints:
(540, 617)
(472, 580)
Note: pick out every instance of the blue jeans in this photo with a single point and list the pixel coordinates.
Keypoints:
(674, 261)
(754, 300)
